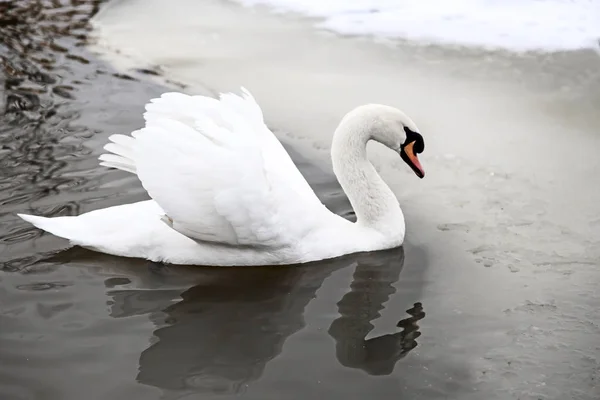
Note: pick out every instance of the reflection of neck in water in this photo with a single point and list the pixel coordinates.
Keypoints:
(225, 330)
(371, 287)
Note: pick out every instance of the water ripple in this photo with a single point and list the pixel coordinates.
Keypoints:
(47, 145)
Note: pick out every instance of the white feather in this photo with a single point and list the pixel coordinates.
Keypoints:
(209, 169)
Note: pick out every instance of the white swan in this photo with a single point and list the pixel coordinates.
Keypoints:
(225, 192)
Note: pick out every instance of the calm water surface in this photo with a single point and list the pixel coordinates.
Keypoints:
(76, 324)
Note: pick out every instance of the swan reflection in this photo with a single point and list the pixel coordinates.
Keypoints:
(219, 334)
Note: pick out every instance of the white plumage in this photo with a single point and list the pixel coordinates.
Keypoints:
(225, 192)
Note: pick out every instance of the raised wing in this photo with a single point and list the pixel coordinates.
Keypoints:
(217, 171)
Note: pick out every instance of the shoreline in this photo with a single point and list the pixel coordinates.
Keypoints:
(506, 26)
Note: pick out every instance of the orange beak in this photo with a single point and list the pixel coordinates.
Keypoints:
(409, 156)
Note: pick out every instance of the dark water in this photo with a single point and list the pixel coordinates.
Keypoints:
(80, 325)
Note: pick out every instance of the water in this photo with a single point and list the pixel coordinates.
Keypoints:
(494, 296)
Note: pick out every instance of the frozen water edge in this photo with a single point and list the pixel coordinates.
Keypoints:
(550, 25)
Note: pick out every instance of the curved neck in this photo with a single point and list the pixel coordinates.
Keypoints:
(373, 201)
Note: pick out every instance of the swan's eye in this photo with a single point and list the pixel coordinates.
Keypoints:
(412, 136)
(419, 145)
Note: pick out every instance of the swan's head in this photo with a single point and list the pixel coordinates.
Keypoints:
(397, 131)
(384, 124)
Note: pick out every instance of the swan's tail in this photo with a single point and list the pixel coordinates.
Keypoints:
(64, 227)
(102, 230)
